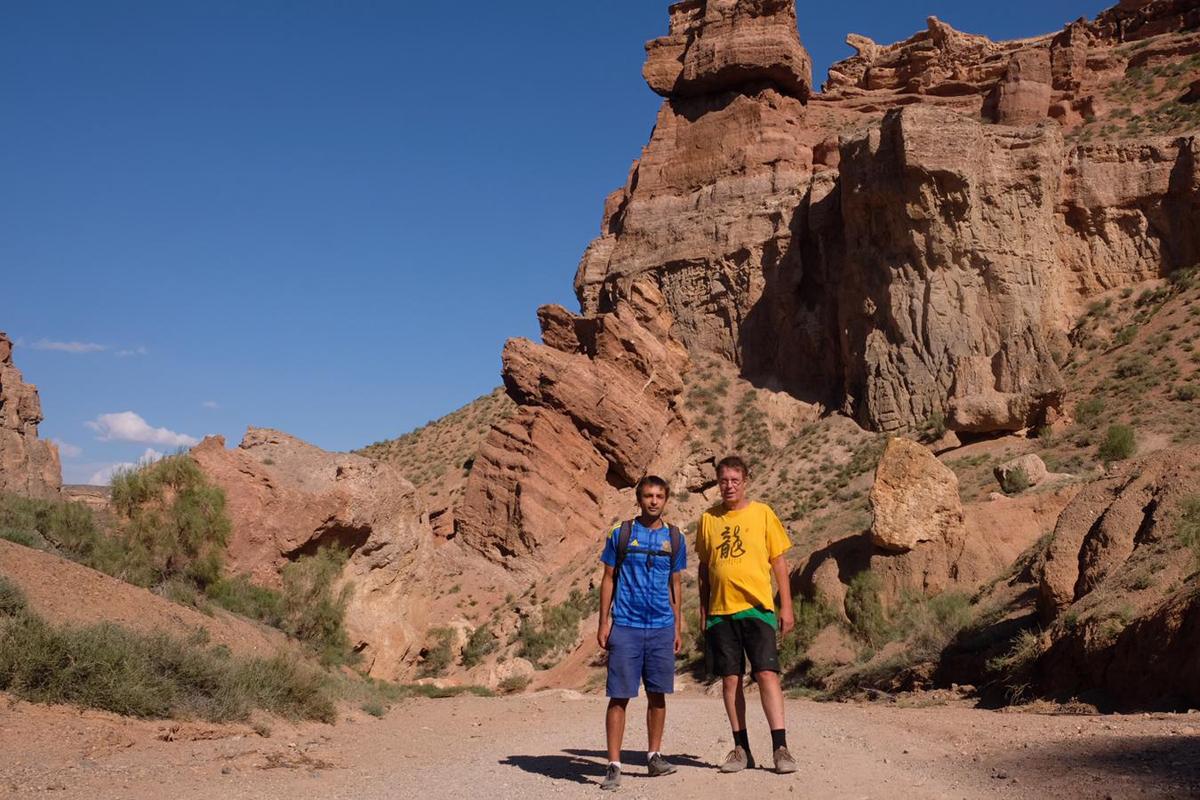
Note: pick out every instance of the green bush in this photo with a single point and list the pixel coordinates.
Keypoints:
(438, 655)
(481, 642)
(25, 538)
(812, 616)
(865, 611)
(173, 522)
(239, 595)
(316, 612)
(514, 684)
(12, 599)
(1016, 666)
(1126, 335)
(1119, 444)
(157, 676)
(1186, 392)
(1015, 482)
(559, 629)
(1087, 412)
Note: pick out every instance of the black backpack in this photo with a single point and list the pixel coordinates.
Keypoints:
(623, 537)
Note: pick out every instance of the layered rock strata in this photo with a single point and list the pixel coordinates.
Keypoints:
(28, 466)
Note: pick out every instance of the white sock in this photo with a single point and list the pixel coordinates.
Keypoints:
(616, 764)
(651, 754)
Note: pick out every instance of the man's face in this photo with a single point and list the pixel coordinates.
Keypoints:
(652, 500)
(732, 484)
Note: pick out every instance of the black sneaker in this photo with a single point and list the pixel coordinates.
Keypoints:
(612, 778)
(658, 766)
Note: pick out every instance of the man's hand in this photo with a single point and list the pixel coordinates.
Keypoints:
(602, 636)
(786, 621)
(678, 641)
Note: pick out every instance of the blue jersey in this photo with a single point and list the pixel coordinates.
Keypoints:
(643, 589)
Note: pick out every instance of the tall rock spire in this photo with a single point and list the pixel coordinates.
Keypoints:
(27, 466)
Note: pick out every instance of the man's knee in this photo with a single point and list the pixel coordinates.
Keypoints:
(656, 699)
(618, 702)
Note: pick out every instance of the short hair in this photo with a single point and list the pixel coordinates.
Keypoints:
(651, 480)
(735, 463)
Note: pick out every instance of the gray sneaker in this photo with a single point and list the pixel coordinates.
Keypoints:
(784, 763)
(737, 760)
(659, 766)
(612, 778)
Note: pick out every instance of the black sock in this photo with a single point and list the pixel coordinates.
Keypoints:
(740, 738)
(778, 738)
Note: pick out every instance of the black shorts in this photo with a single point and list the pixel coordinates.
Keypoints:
(728, 643)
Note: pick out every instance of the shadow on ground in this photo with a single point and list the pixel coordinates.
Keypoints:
(587, 766)
(1157, 763)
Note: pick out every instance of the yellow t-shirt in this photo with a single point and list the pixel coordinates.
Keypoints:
(738, 548)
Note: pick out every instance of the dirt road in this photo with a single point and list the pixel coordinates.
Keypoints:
(550, 744)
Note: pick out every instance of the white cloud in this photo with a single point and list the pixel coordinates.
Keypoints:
(127, 426)
(104, 476)
(210, 404)
(140, 350)
(19, 341)
(67, 450)
(75, 348)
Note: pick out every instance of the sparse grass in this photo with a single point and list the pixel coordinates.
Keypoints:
(12, 599)
(1187, 529)
(1015, 481)
(438, 655)
(374, 708)
(1015, 668)
(812, 616)
(1089, 411)
(480, 643)
(157, 676)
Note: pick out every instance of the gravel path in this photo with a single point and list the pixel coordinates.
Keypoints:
(550, 744)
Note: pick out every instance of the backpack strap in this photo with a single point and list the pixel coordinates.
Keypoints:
(624, 534)
(676, 546)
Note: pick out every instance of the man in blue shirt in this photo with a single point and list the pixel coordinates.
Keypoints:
(641, 626)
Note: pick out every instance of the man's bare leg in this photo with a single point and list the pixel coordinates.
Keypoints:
(770, 691)
(614, 726)
(656, 720)
(735, 701)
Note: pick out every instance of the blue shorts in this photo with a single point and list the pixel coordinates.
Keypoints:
(637, 655)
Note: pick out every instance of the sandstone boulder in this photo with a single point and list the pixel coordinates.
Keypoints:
(1023, 96)
(914, 499)
(28, 466)
(1028, 470)
(287, 498)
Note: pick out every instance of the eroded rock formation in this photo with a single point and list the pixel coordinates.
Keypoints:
(288, 499)
(914, 499)
(28, 466)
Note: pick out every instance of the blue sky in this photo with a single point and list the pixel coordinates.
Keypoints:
(322, 217)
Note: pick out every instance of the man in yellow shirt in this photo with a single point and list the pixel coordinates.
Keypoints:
(739, 546)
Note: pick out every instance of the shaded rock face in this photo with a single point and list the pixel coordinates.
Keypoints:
(28, 466)
(1116, 567)
(288, 499)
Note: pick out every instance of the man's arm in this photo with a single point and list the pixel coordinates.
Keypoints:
(784, 584)
(677, 606)
(606, 596)
(702, 575)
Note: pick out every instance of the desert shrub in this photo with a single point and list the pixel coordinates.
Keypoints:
(25, 538)
(316, 610)
(1186, 392)
(156, 676)
(1087, 412)
(865, 611)
(1119, 444)
(1126, 335)
(374, 708)
(1132, 366)
(929, 625)
(12, 599)
(559, 629)
(239, 595)
(935, 427)
(173, 522)
(67, 527)
(1015, 482)
(812, 616)
(1015, 667)
(439, 654)
(514, 684)
(1187, 530)
(480, 643)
